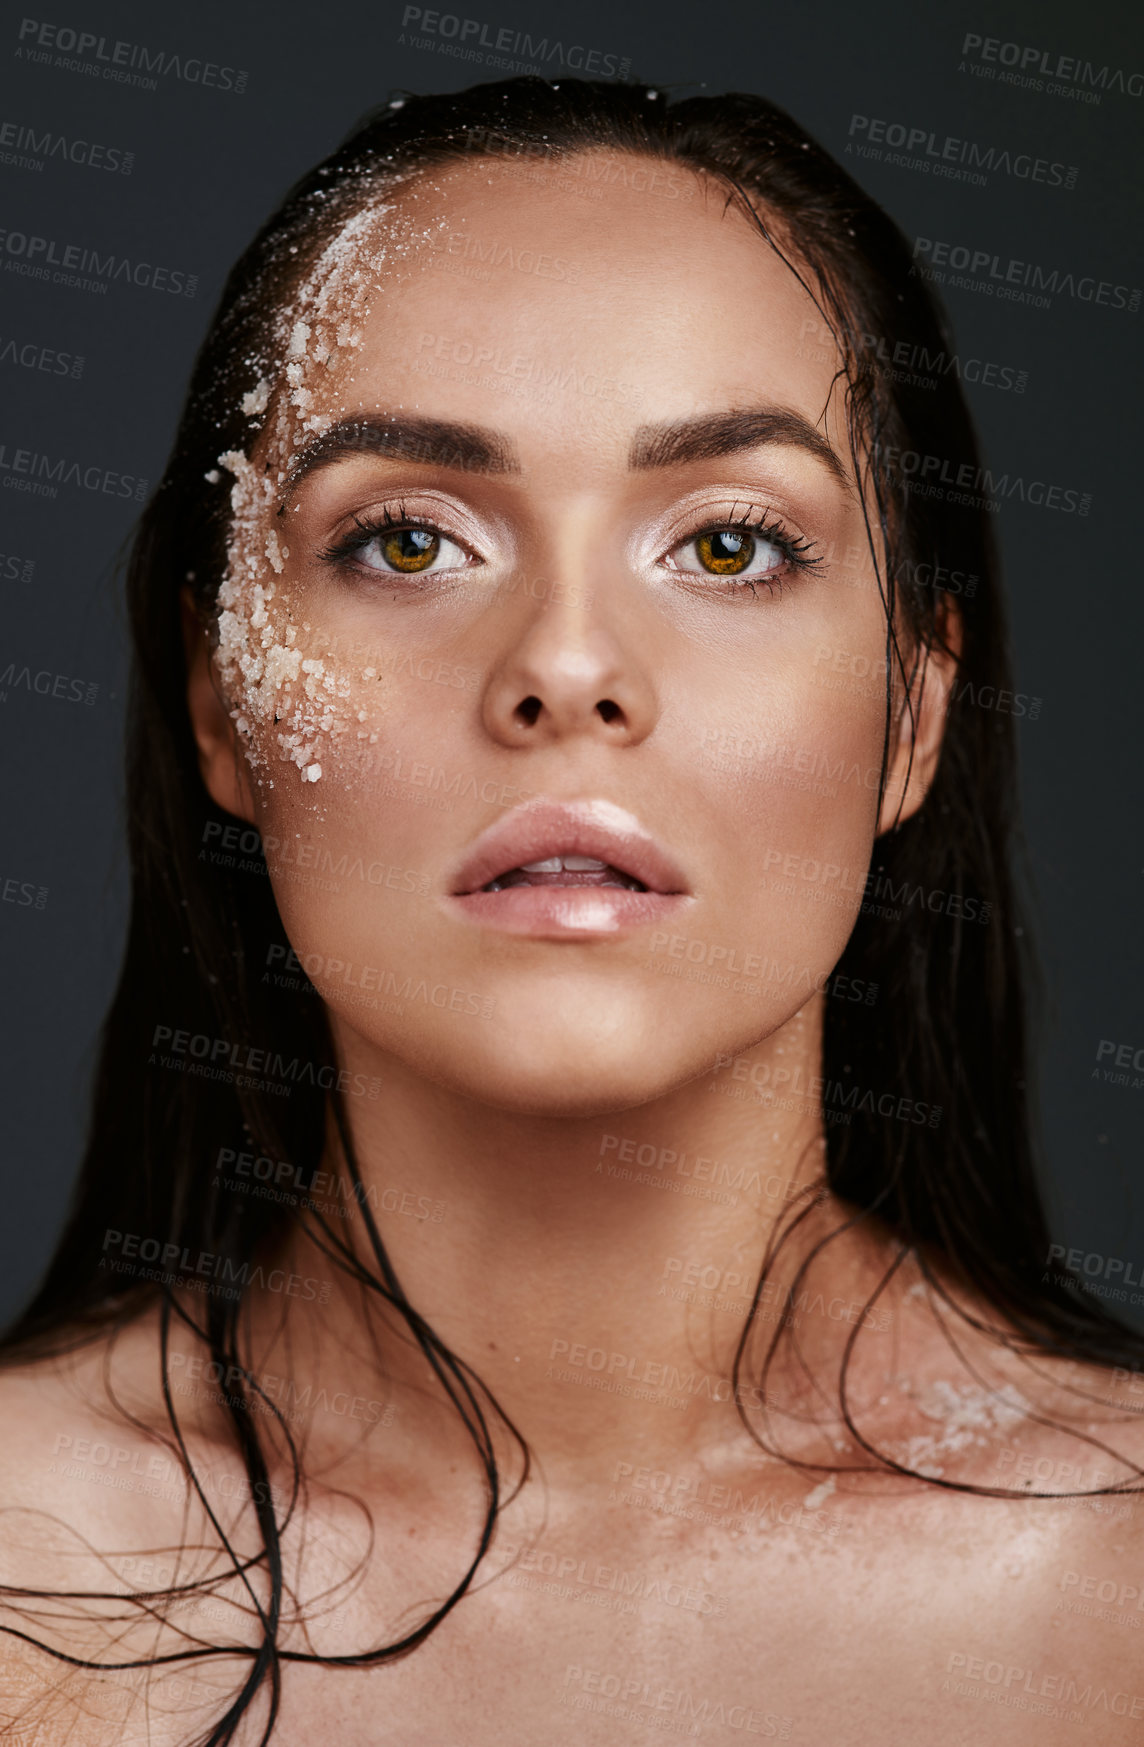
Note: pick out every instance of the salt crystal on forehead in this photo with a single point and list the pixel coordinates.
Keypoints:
(258, 662)
(256, 401)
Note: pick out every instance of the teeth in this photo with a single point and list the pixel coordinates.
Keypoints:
(556, 864)
(565, 864)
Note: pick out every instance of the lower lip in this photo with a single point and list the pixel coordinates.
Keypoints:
(569, 912)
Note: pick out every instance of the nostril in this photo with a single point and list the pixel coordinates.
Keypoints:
(527, 711)
(609, 710)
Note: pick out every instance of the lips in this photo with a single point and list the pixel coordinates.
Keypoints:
(567, 869)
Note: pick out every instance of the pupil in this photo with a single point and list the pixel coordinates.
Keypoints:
(411, 548)
(726, 552)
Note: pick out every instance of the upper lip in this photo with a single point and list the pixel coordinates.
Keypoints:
(540, 829)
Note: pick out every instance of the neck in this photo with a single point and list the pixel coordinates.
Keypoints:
(595, 1271)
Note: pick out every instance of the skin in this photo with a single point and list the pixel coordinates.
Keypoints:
(505, 1123)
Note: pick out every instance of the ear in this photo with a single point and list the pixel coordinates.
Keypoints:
(921, 700)
(221, 759)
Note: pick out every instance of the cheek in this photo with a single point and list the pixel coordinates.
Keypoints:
(317, 711)
(355, 853)
(352, 886)
(791, 790)
(791, 776)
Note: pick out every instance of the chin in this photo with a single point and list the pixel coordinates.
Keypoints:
(564, 1096)
(561, 1072)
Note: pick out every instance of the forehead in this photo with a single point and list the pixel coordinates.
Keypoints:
(643, 282)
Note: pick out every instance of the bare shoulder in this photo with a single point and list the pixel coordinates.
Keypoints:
(94, 1514)
(1064, 1550)
(1086, 1580)
(94, 1481)
(79, 1438)
(1085, 1468)
(82, 1492)
(44, 1701)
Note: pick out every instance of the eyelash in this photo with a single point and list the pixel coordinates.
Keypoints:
(798, 553)
(379, 522)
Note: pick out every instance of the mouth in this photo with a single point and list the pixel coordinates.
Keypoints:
(559, 869)
(566, 870)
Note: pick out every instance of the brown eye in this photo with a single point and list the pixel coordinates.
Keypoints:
(739, 552)
(406, 551)
(725, 552)
(411, 549)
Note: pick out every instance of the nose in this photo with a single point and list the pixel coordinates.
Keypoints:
(568, 674)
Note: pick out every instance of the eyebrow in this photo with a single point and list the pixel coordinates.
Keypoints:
(714, 434)
(476, 449)
(436, 442)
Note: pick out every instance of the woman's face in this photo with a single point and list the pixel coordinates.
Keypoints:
(571, 564)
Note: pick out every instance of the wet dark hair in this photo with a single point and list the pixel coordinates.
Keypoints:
(961, 1195)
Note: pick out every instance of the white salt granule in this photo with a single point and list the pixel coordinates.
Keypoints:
(968, 1413)
(281, 666)
(274, 552)
(817, 1498)
(970, 1407)
(257, 400)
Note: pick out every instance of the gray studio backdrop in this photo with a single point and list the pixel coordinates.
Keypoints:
(182, 128)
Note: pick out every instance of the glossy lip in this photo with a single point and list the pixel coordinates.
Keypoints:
(541, 829)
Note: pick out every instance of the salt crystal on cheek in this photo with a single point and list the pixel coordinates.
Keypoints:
(274, 551)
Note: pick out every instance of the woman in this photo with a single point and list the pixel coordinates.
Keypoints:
(624, 1305)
